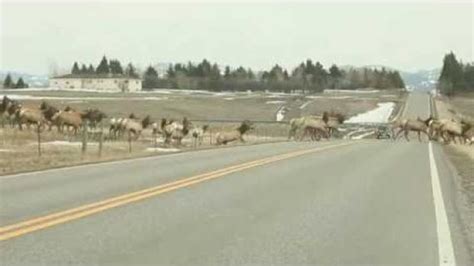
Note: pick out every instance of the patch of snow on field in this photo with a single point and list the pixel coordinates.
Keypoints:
(280, 114)
(163, 149)
(352, 91)
(275, 102)
(229, 99)
(381, 114)
(304, 105)
(328, 97)
(6, 150)
(63, 143)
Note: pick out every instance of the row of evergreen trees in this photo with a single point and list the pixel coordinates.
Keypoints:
(455, 76)
(105, 67)
(308, 77)
(9, 84)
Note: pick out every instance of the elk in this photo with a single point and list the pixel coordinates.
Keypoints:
(173, 130)
(419, 126)
(236, 134)
(198, 134)
(68, 118)
(135, 127)
(29, 117)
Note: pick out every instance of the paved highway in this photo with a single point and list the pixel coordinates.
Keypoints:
(329, 203)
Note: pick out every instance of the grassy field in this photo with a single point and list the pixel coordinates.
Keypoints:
(208, 106)
(460, 104)
(18, 149)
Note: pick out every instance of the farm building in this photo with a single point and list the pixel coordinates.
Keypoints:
(117, 83)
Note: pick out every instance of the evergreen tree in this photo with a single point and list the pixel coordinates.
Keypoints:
(227, 72)
(469, 77)
(335, 76)
(170, 73)
(8, 82)
(103, 67)
(75, 69)
(91, 69)
(150, 78)
(83, 69)
(20, 84)
(131, 71)
(115, 67)
(451, 78)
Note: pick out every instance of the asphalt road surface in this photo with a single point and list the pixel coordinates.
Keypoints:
(329, 203)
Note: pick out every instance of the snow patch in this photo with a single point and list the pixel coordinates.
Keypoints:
(329, 97)
(63, 143)
(162, 150)
(381, 114)
(275, 102)
(352, 91)
(304, 105)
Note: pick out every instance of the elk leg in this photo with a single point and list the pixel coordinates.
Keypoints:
(406, 134)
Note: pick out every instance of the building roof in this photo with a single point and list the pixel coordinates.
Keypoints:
(94, 76)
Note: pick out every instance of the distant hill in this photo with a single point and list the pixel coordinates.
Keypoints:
(421, 80)
(35, 81)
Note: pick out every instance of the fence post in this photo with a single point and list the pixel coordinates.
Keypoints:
(101, 139)
(38, 132)
(129, 142)
(210, 136)
(84, 138)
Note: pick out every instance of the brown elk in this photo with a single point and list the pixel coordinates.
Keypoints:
(29, 116)
(236, 134)
(419, 126)
(173, 130)
(69, 119)
(198, 134)
(135, 127)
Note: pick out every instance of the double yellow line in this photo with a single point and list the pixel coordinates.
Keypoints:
(32, 225)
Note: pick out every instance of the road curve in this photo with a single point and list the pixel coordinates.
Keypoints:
(365, 202)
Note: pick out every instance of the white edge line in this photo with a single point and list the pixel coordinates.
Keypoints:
(445, 244)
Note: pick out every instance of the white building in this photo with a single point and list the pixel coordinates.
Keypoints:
(118, 83)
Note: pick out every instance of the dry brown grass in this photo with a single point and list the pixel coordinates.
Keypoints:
(19, 149)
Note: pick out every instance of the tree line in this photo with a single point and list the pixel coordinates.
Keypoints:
(8, 83)
(105, 67)
(455, 76)
(307, 77)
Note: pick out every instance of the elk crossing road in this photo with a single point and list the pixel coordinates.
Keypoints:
(328, 203)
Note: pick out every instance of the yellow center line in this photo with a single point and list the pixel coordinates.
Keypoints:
(35, 224)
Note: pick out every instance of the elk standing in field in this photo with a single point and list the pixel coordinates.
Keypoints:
(198, 134)
(48, 111)
(29, 116)
(173, 130)
(94, 116)
(135, 127)
(8, 109)
(117, 126)
(237, 134)
(69, 119)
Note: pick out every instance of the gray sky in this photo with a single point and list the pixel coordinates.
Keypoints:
(407, 36)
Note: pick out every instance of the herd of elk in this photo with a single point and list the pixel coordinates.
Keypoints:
(316, 127)
(446, 130)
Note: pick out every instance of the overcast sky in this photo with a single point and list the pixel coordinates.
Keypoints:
(403, 35)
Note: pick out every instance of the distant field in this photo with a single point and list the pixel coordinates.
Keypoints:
(207, 105)
(462, 104)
